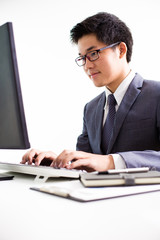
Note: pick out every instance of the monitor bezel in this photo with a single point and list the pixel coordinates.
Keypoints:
(25, 144)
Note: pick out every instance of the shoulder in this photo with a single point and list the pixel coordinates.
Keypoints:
(100, 98)
(152, 83)
(145, 84)
(151, 86)
(95, 104)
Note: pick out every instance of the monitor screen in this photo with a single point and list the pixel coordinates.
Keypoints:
(13, 129)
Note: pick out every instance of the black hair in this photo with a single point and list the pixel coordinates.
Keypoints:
(107, 27)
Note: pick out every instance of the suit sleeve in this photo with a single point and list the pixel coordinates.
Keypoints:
(146, 158)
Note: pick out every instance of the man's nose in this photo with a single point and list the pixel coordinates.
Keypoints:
(88, 64)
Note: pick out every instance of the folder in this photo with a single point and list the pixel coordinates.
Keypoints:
(74, 190)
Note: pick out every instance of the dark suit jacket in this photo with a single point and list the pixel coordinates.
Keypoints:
(136, 133)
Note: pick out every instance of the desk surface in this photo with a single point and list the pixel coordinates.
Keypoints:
(30, 215)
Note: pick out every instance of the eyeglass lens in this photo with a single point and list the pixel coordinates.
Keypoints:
(92, 56)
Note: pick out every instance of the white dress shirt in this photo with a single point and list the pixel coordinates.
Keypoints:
(118, 94)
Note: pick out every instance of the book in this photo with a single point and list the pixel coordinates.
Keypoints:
(120, 179)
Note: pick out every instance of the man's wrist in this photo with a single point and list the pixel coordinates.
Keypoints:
(119, 162)
(111, 164)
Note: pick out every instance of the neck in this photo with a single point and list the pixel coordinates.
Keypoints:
(112, 88)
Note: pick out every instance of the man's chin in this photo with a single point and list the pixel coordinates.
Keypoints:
(96, 84)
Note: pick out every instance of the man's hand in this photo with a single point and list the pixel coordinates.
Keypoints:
(38, 157)
(84, 161)
(70, 160)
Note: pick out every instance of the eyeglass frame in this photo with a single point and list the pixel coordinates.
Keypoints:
(98, 50)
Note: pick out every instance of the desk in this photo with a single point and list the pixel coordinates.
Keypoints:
(29, 215)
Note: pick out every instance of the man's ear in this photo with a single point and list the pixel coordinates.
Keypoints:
(122, 49)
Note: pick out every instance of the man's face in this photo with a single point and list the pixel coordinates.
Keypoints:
(107, 69)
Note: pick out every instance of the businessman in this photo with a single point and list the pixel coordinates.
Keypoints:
(121, 126)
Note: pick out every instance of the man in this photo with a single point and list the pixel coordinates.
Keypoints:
(130, 137)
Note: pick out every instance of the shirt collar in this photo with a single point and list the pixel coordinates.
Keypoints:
(122, 88)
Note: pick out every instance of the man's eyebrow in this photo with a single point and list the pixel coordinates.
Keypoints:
(89, 49)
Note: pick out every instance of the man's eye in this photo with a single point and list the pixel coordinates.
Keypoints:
(93, 54)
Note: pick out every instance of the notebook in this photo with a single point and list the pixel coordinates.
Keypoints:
(119, 179)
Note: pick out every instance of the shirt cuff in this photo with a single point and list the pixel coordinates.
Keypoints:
(118, 161)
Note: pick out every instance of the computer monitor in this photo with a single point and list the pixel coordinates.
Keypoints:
(13, 129)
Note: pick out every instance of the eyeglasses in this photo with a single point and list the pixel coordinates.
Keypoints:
(92, 55)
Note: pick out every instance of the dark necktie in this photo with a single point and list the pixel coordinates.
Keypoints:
(108, 126)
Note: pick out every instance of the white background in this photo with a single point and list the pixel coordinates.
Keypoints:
(54, 89)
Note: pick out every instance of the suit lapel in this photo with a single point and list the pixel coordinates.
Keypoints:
(99, 120)
(129, 98)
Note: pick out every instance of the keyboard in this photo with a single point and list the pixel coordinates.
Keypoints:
(41, 172)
